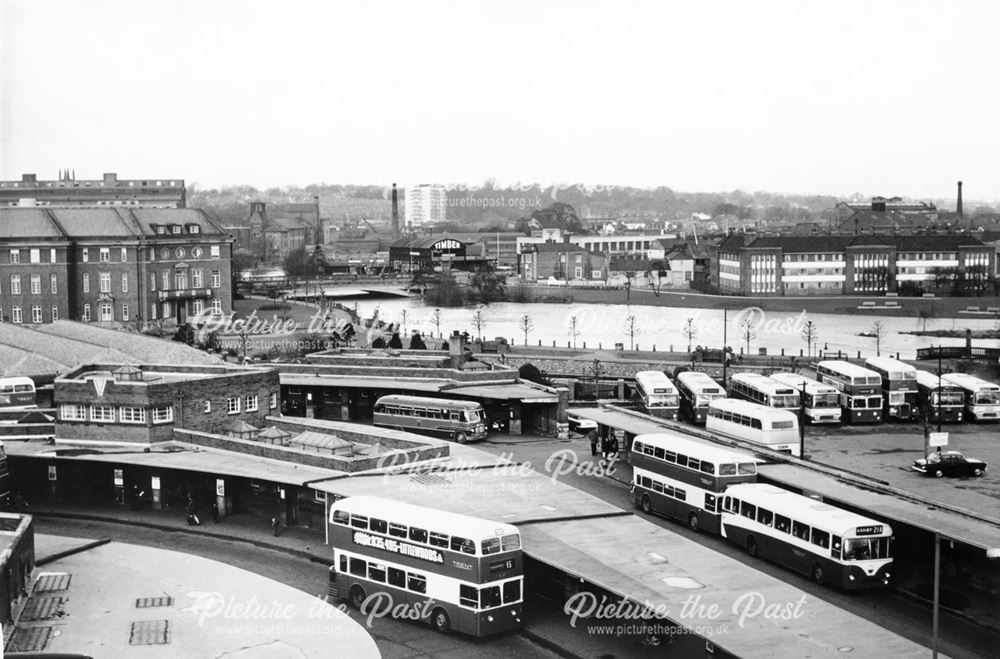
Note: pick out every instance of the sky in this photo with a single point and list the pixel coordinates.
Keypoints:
(801, 97)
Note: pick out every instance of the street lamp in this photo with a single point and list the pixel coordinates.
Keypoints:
(802, 419)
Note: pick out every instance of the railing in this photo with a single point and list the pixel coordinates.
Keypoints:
(954, 352)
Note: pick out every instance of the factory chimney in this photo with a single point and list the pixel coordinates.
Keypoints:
(395, 213)
(958, 205)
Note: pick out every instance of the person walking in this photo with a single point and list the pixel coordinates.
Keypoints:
(276, 525)
(215, 512)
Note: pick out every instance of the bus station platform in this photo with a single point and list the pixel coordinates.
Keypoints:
(719, 601)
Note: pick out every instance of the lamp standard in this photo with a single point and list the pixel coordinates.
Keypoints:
(802, 420)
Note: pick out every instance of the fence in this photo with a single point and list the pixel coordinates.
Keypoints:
(955, 352)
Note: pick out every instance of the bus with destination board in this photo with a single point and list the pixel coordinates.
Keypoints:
(17, 393)
(657, 394)
(982, 398)
(696, 391)
(831, 545)
(820, 402)
(456, 572)
(938, 400)
(767, 427)
(899, 387)
(459, 420)
(860, 389)
(763, 390)
(683, 477)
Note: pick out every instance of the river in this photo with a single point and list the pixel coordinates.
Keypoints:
(606, 324)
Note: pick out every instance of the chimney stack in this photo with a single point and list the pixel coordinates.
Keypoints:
(395, 213)
(958, 206)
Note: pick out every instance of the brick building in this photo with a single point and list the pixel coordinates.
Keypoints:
(115, 266)
(565, 261)
(851, 265)
(101, 403)
(67, 191)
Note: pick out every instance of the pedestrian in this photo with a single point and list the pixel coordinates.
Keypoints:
(276, 525)
(592, 435)
(614, 448)
(215, 512)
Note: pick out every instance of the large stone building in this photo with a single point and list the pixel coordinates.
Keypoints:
(67, 191)
(115, 266)
(280, 229)
(844, 265)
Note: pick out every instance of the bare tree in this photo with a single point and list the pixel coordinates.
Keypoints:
(574, 329)
(748, 331)
(526, 325)
(876, 332)
(689, 331)
(436, 321)
(632, 329)
(810, 335)
(479, 320)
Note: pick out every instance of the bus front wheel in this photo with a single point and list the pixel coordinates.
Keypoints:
(440, 621)
(693, 522)
(817, 574)
(357, 597)
(752, 546)
(461, 438)
(647, 507)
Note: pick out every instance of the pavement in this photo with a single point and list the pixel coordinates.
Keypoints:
(112, 599)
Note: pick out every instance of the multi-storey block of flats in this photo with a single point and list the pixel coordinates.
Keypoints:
(118, 266)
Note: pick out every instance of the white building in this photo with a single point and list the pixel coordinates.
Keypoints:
(425, 204)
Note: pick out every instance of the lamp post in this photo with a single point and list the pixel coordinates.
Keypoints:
(939, 369)
(802, 420)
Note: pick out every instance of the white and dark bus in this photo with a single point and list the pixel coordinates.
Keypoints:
(462, 573)
(459, 420)
(831, 545)
(767, 427)
(938, 400)
(820, 402)
(899, 387)
(763, 390)
(860, 389)
(657, 394)
(682, 477)
(982, 398)
(697, 390)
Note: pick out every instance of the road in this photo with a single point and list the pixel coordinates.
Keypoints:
(958, 637)
(395, 639)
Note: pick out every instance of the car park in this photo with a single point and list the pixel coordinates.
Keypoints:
(949, 463)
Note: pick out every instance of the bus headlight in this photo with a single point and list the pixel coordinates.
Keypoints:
(489, 618)
(851, 577)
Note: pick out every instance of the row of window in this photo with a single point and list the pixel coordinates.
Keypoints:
(17, 314)
(34, 283)
(108, 413)
(694, 464)
(106, 312)
(508, 542)
(34, 255)
(249, 403)
(379, 572)
(777, 522)
(660, 487)
(197, 307)
(422, 413)
(748, 421)
(104, 253)
(181, 279)
(104, 282)
(781, 399)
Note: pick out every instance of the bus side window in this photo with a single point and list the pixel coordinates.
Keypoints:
(800, 530)
(782, 523)
(710, 502)
(748, 510)
(658, 452)
(707, 467)
(397, 530)
(418, 535)
(727, 470)
(341, 517)
(757, 424)
(491, 546)
(397, 577)
(416, 583)
(765, 517)
(378, 525)
(455, 416)
(358, 567)
(821, 538)
(376, 572)
(343, 564)
(638, 447)
(694, 464)
(467, 596)
(359, 521)
(438, 540)
(835, 549)
(682, 460)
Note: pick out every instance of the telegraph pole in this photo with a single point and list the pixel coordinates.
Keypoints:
(939, 390)
(802, 420)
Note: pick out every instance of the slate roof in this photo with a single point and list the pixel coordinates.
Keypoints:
(98, 222)
(820, 244)
(27, 223)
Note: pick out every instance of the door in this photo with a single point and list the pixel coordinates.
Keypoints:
(107, 312)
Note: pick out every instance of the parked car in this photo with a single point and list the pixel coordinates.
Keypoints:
(949, 463)
(580, 425)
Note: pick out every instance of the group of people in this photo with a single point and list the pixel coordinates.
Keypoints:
(608, 444)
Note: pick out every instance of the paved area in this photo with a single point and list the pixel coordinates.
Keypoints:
(123, 600)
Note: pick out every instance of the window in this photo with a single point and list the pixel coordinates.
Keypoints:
(438, 539)
(73, 412)
(272, 401)
(358, 567)
(124, 255)
(800, 530)
(216, 278)
(491, 546)
(86, 254)
(782, 523)
(180, 279)
(15, 256)
(765, 517)
(467, 596)
(15, 315)
(35, 256)
(397, 530)
(376, 572)
(464, 545)
(397, 577)
(105, 279)
(124, 312)
(416, 583)
(152, 282)
(102, 413)
(207, 406)
(86, 282)
(196, 278)
(214, 251)
(821, 538)
(36, 284)
(378, 525)
(15, 284)
(251, 403)
(418, 535)
(36, 313)
(748, 510)
(489, 597)
(166, 279)
(52, 255)
(105, 255)
(233, 405)
(55, 314)
(359, 521)
(341, 517)
(124, 282)
(131, 415)
(152, 311)
(86, 313)
(53, 283)
(511, 591)
(216, 307)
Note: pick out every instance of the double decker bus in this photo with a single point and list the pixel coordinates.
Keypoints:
(683, 478)
(938, 400)
(657, 394)
(860, 389)
(831, 545)
(762, 390)
(17, 393)
(697, 390)
(899, 387)
(820, 402)
(982, 398)
(768, 427)
(459, 420)
(453, 571)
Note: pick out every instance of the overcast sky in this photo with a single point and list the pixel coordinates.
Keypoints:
(835, 97)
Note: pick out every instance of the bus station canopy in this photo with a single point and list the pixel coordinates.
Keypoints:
(514, 391)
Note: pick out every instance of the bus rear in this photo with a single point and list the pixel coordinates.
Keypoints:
(17, 393)
(657, 394)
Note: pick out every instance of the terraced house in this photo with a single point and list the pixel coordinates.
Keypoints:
(114, 265)
(853, 265)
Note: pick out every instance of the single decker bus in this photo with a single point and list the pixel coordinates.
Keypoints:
(763, 390)
(982, 398)
(767, 427)
(459, 420)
